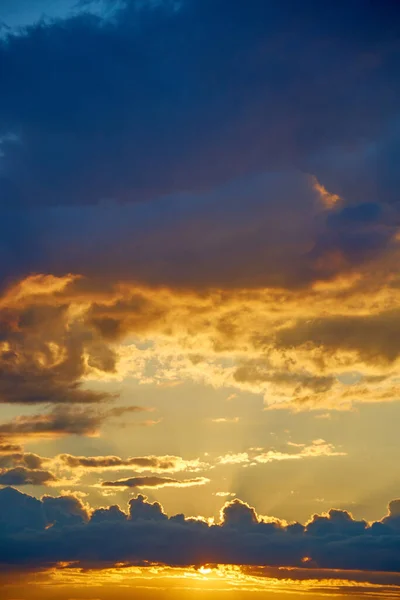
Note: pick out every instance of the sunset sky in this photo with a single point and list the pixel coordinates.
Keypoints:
(199, 299)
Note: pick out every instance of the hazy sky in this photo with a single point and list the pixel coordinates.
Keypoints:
(199, 298)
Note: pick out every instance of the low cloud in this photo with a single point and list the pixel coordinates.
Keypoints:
(36, 534)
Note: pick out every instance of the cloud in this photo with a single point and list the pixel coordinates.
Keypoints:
(212, 179)
(64, 510)
(234, 459)
(228, 228)
(20, 458)
(23, 476)
(63, 420)
(143, 44)
(19, 512)
(112, 513)
(6, 448)
(371, 338)
(318, 448)
(284, 345)
(141, 509)
(27, 14)
(236, 235)
(42, 533)
(139, 463)
(238, 514)
(155, 482)
(45, 352)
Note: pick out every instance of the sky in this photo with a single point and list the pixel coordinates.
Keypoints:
(199, 299)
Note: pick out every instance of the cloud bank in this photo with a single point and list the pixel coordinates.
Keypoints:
(40, 533)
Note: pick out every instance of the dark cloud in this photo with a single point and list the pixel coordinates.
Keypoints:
(19, 512)
(25, 459)
(140, 509)
(238, 514)
(155, 482)
(334, 540)
(151, 101)
(63, 420)
(271, 229)
(259, 371)
(160, 102)
(23, 476)
(140, 463)
(373, 338)
(64, 510)
(265, 230)
(112, 513)
(44, 358)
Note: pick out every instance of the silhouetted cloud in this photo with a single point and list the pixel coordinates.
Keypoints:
(37, 533)
(24, 476)
(25, 459)
(155, 482)
(64, 420)
(138, 463)
(64, 510)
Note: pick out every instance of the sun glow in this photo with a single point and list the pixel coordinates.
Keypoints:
(120, 580)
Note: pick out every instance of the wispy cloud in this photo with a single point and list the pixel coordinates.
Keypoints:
(318, 448)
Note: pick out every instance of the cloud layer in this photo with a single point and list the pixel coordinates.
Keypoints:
(160, 145)
(42, 533)
(116, 128)
(328, 346)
